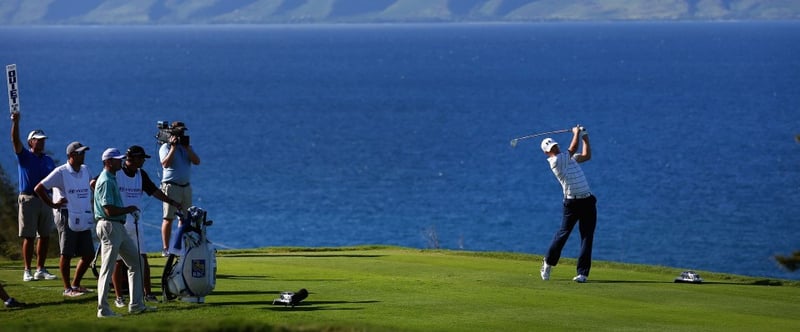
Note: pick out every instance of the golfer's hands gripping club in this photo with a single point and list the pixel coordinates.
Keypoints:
(580, 131)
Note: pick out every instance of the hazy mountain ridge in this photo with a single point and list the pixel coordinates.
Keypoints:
(47, 12)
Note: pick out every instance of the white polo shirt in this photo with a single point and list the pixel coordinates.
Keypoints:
(66, 182)
(570, 175)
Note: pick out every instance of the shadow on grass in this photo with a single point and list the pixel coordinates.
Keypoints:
(595, 281)
(245, 292)
(339, 302)
(765, 282)
(227, 303)
(318, 306)
(313, 280)
(250, 277)
(308, 255)
(242, 277)
(268, 301)
(83, 299)
(264, 301)
(303, 306)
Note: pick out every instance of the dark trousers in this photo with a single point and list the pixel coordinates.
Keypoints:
(576, 210)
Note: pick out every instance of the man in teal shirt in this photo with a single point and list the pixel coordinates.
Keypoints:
(109, 213)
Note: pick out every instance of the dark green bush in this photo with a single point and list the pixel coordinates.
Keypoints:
(10, 243)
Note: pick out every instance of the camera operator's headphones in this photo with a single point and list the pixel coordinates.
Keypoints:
(179, 126)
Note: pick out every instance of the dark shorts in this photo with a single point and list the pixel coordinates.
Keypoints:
(73, 244)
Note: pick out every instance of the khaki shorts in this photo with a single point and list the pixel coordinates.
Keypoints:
(72, 243)
(182, 195)
(35, 217)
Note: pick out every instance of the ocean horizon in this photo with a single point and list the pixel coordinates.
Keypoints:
(387, 134)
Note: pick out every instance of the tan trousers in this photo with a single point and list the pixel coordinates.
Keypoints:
(114, 240)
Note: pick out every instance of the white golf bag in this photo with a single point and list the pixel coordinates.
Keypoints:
(191, 274)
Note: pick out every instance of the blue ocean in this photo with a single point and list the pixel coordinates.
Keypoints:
(338, 135)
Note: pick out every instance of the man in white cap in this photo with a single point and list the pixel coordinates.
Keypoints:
(35, 218)
(579, 203)
(110, 214)
(72, 207)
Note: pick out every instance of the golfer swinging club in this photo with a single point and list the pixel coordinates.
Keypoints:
(579, 203)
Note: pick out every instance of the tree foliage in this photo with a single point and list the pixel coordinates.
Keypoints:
(791, 263)
(9, 239)
(10, 242)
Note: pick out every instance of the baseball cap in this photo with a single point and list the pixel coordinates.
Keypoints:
(76, 147)
(112, 153)
(136, 151)
(548, 144)
(37, 134)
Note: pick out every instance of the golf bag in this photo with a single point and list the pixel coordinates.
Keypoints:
(191, 274)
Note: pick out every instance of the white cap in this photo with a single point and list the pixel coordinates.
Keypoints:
(548, 144)
(112, 153)
(37, 134)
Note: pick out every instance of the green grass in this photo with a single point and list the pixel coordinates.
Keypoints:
(398, 289)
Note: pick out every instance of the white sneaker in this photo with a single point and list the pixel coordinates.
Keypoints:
(26, 276)
(120, 302)
(164, 253)
(109, 314)
(82, 289)
(72, 293)
(579, 278)
(43, 274)
(545, 271)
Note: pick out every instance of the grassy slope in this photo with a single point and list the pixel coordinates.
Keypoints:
(386, 288)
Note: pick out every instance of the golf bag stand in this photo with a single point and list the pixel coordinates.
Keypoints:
(191, 269)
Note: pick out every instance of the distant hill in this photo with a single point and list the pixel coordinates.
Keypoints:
(138, 12)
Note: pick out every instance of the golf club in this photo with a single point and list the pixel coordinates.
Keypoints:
(514, 141)
(136, 215)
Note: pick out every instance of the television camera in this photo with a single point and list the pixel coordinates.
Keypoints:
(166, 131)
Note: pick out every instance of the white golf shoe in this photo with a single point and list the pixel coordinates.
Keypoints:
(545, 271)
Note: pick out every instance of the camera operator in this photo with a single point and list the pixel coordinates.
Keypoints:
(177, 157)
